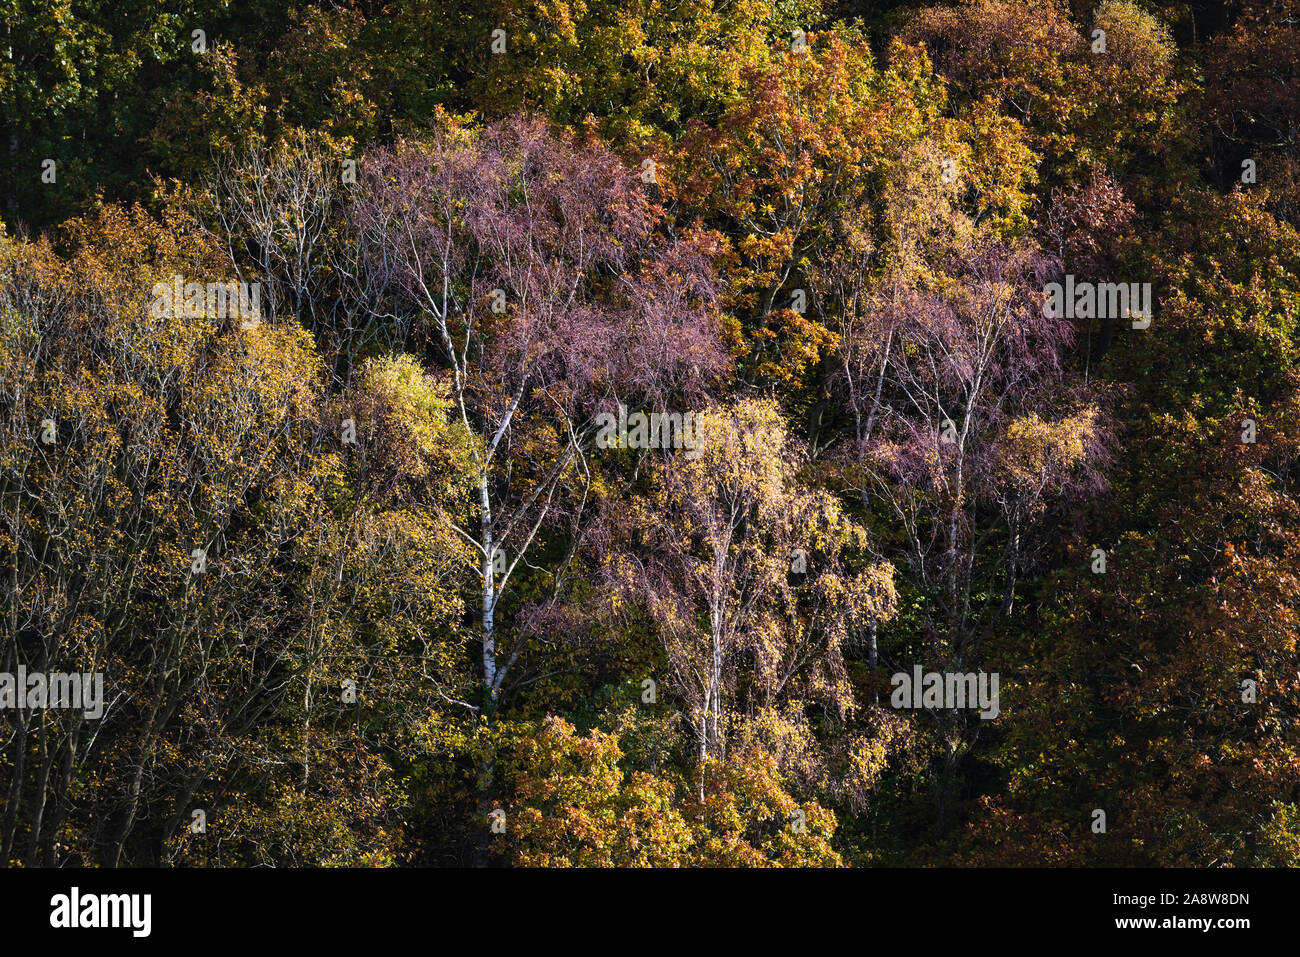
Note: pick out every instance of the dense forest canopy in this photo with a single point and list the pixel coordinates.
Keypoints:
(644, 433)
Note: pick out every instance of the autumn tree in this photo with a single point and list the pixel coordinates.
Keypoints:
(575, 806)
(181, 515)
(1140, 705)
(530, 266)
(712, 551)
(1253, 104)
(968, 439)
(641, 72)
(1103, 92)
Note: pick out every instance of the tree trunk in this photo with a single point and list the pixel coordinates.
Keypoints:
(485, 803)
